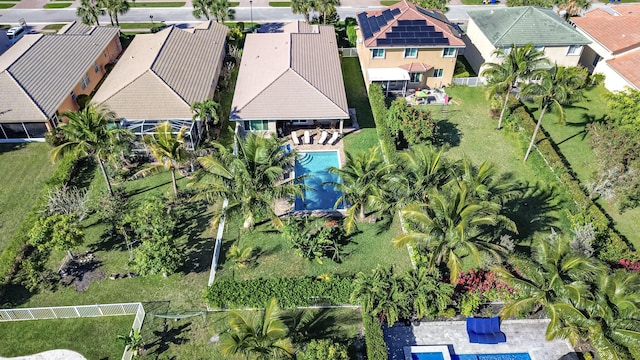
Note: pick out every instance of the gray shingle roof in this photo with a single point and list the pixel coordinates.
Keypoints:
(49, 69)
(526, 24)
(166, 72)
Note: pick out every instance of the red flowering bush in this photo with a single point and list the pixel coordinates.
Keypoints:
(629, 265)
(415, 123)
(484, 283)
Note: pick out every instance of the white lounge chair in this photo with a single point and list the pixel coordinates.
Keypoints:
(295, 138)
(334, 138)
(307, 137)
(323, 138)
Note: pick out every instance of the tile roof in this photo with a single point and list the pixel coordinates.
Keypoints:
(525, 24)
(627, 65)
(416, 67)
(293, 75)
(376, 25)
(165, 72)
(40, 71)
(617, 29)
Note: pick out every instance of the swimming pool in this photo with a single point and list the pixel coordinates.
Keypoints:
(443, 353)
(427, 356)
(315, 165)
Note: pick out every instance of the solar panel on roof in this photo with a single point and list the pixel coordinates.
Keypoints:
(387, 15)
(418, 22)
(381, 21)
(405, 22)
(395, 11)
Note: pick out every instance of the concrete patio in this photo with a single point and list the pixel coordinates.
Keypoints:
(523, 336)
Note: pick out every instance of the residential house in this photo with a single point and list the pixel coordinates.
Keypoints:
(500, 28)
(292, 78)
(160, 76)
(406, 46)
(615, 47)
(41, 77)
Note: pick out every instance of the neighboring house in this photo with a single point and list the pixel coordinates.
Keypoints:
(289, 79)
(615, 48)
(500, 28)
(406, 46)
(42, 75)
(161, 75)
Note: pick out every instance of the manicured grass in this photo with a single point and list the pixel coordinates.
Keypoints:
(388, 2)
(573, 140)
(94, 338)
(195, 332)
(234, 3)
(357, 98)
(7, 5)
(55, 27)
(140, 25)
(56, 5)
(13, 1)
(275, 258)
(160, 4)
(24, 169)
(280, 3)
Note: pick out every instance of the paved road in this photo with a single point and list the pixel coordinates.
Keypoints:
(177, 15)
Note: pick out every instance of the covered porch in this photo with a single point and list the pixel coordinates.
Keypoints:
(144, 127)
(392, 80)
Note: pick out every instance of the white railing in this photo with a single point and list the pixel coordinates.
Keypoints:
(137, 325)
(469, 81)
(349, 52)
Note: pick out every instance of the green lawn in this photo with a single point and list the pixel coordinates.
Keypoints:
(388, 2)
(573, 140)
(24, 169)
(94, 338)
(280, 3)
(140, 25)
(190, 338)
(57, 5)
(275, 257)
(7, 5)
(55, 27)
(160, 4)
(357, 98)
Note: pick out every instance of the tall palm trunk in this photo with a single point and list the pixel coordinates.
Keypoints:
(70, 254)
(117, 22)
(175, 184)
(504, 107)
(97, 21)
(535, 132)
(324, 18)
(106, 177)
(306, 17)
(362, 212)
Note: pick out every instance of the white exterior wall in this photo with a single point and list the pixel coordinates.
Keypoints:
(558, 54)
(479, 49)
(612, 80)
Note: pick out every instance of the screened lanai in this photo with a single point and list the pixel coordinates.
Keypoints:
(148, 127)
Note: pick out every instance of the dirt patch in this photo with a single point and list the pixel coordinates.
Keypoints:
(81, 271)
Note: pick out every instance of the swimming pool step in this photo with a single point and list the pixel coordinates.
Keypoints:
(305, 159)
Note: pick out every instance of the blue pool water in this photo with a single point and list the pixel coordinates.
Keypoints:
(427, 356)
(438, 356)
(315, 165)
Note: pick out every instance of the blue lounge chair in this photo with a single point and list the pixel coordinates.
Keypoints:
(485, 331)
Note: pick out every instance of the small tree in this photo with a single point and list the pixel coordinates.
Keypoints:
(58, 231)
(415, 123)
(66, 201)
(207, 112)
(323, 349)
(89, 12)
(201, 8)
(133, 341)
(158, 255)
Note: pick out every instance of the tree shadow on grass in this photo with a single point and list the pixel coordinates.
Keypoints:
(308, 324)
(170, 334)
(192, 220)
(82, 174)
(447, 133)
(534, 210)
(586, 120)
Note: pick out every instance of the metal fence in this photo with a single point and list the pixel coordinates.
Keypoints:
(137, 325)
(469, 81)
(349, 52)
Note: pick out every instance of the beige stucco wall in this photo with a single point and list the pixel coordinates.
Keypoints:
(479, 49)
(394, 57)
(612, 80)
(558, 54)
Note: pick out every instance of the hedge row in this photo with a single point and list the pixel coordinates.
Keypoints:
(615, 247)
(290, 292)
(379, 109)
(17, 246)
(374, 338)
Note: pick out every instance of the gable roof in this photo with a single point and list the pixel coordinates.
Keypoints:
(617, 29)
(627, 66)
(40, 71)
(290, 76)
(525, 24)
(403, 20)
(165, 72)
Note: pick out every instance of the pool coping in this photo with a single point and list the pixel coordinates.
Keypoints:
(408, 350)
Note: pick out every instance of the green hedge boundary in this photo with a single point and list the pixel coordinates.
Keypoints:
(18, 245)
(374, 338)
(616, 247)
(290, 292)
(379, 110)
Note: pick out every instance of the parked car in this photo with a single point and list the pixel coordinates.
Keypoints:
(15, 33)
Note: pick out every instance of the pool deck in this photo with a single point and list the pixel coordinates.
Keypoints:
(523, 336)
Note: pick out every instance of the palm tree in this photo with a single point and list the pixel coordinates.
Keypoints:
(518, 65)
(430, 297)
(425, 168)
(239, 256)
(326, 7)
(303, 7)
(449, 226)
(133, 341)
(362, 178)
(556, 87)
(87, 132)
(206, 111)
(250, 181)
(115, 8)
(89, 11)
(483, 181)
(553, 279)
(573, 7)
(381, 294)
(167, 149)
(221, 10)
(255, 336)
(201, 8)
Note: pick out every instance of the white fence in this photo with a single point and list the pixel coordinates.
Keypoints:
(79, 311)
(349, 52)
(469, 81)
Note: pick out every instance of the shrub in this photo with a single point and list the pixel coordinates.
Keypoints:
(290, 292)
(379, 110)
(470, 304)
(415, 123)
(323, 349)
(54, 137)
(483, 283)
(374, 338)
(629, 265)
(352, 35)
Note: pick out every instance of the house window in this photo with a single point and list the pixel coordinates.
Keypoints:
(540, 48)
(85, 81)
(96, 68)
(574, 50)
(415, 77)
(449, 52)
(73, 96)
(377, 53)
(438, 73)
(411, 53)
(595, 60)
(256, 125)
